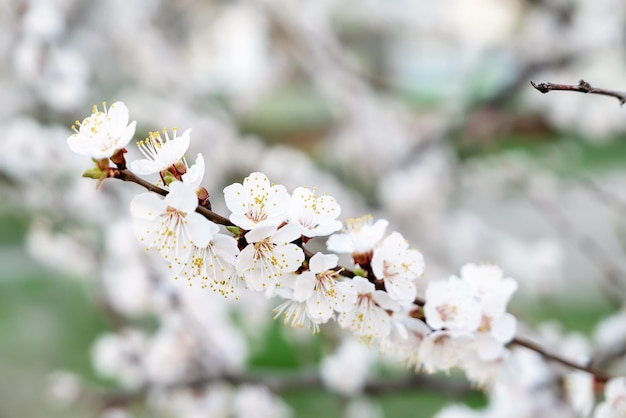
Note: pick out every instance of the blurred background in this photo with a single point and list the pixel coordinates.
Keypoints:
(416, 111)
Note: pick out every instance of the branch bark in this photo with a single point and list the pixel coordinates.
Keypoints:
(581, 87)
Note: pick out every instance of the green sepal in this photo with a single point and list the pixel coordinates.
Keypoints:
(168, 178)
(359, 272)
(94, 173)
(235, 230)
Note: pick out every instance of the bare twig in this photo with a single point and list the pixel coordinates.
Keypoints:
(581, 87)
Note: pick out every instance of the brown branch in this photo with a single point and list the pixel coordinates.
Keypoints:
(127, 175)
(581, 87)
(599, 374)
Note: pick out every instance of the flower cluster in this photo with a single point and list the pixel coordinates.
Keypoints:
(261, 247)
(468, 314)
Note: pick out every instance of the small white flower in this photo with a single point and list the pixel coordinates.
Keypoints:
(321, 291)
(294, 313)
(171, 224)
(315, 216)
(103, 133)
(439, 351)
(257, 202)
(493, 334)
(451, 304)
(213, 263)
(399, 267)
(160, 153)
(482, 373)
(345, 371)
(268, 256)
(368, 319)
(257, 401)
(490, 285)
(119, 356)
(360, 236)
(405, 338)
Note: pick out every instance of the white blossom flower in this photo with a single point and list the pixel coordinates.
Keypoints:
(368, 319)
(213, 263)
(614, 405)
(405, 338)
(167, 358)
(257, 401)
(256, 202)
(268, 256)
(294, 313)
(160, 153)
(482, 373)
(611, 331)
(490, 285)
(398, 266)
(116, 356)
(359, 239)
(171, 224)
(493, 334)
(451, 304)
(103, 133)
(315, 216)
(321, 291)
(493, 292)
(345, 371)
(440, 351)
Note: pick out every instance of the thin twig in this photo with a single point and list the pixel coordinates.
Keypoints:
(599, 374)
(581, 87)
(127, 175)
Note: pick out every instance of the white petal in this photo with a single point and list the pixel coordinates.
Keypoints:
(322, 262)
(286, 233)
(305, 284)
(503, 328)
(195, 173)
(147, 206)
(339, 243)
(260, 233)
(362, 285)
(182, 197)
(201, 230)
(235, 198)
(145, 167)
(385, 301)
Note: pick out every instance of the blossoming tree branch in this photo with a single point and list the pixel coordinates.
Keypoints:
(459, 322)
